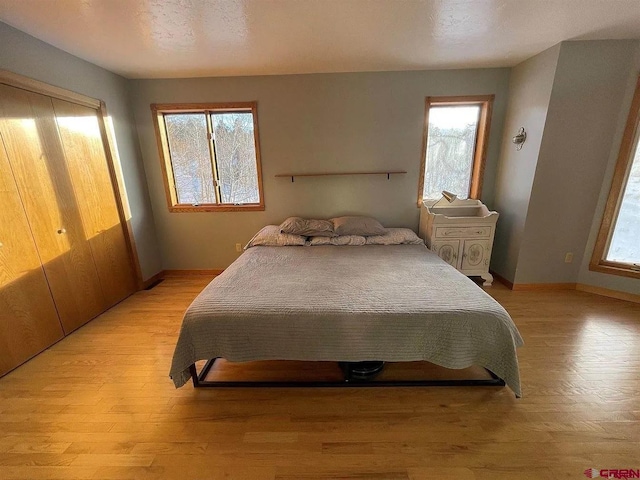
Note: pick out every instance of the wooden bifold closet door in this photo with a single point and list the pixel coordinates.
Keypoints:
(55, 153)
(36, 155)
(87, 166)
(28, 319)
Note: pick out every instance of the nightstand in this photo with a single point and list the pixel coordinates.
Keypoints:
(461, 233)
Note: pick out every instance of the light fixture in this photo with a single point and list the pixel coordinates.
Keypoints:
(449, 196)
(520, 138)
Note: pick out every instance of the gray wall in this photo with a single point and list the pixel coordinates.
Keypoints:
(529, 93)
(313, 123)
(586, 100)
(586, 276)
(25, 55)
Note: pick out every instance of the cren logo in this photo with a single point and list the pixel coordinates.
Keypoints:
(621, 473)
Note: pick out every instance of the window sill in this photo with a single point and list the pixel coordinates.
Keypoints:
(251, 207)
(615, 269)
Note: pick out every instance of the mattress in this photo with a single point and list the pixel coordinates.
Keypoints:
(393, 303)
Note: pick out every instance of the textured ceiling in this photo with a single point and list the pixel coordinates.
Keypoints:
(192, 38)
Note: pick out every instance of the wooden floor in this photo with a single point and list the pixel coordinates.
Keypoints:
(99, 405)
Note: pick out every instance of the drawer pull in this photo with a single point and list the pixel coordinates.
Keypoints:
(462, 232)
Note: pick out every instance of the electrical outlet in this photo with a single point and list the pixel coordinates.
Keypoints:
(238, 247)
(568, 258)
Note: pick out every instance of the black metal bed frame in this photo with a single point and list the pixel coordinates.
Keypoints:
(199, 381)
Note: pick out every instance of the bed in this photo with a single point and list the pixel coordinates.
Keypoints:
(393, 303)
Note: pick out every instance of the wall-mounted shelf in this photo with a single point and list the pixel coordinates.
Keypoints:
(388, 173)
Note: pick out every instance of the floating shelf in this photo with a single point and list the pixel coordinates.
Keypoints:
(388, 173)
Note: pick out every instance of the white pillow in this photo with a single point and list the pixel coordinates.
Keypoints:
(395, 236)
(341, 240)
(270, 236)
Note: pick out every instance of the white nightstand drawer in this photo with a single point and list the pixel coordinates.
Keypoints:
(463, 232)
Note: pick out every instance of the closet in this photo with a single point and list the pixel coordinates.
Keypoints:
(64, 256)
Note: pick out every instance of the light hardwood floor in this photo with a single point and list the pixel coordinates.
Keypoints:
(99, 405)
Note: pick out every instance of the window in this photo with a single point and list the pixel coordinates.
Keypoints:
(617, 249)
(456, 133)
(210, 156)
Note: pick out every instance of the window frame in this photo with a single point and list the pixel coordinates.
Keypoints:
(158, 111)
(598, 262)
(482, 138)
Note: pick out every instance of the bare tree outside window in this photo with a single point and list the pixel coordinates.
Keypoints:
(188, 144)
(454, 148)
(210, 156)
(451, 144)
(236, 157)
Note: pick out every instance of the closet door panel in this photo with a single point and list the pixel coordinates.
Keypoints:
(89, 171)
(28, 319)
(34, 149)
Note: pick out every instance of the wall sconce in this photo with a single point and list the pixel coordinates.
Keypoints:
(520, 138)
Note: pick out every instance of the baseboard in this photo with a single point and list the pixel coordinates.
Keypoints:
(181, 273)
(501, 279)
(606, 292)
(158, 277)
(630, 297)
(543, 286)
(150, 281)
(533, 286)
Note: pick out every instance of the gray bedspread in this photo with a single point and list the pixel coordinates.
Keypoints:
(374, 302)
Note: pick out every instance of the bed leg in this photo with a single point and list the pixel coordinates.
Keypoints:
(496, 378)
(199, 378)
(194, 375)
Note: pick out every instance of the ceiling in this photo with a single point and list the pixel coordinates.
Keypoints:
(195, 38)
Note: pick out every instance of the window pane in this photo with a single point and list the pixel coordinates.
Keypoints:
(236, 157)
(624, 246)
(190, 157)
(450, 151)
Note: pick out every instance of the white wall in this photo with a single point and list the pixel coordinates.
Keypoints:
(529, 93)
(26, 55)
(313, 123)
(586, 100)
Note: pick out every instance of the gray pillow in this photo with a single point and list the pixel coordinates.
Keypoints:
(350, 240)
(270, 236)
(357, 225)
(395, 236)
(307, 227)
